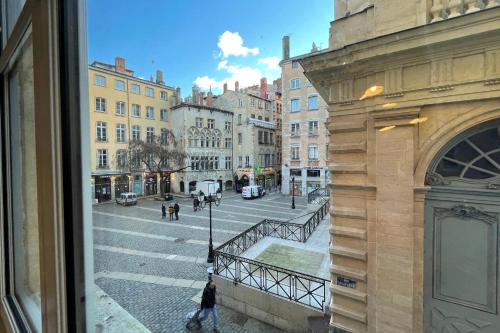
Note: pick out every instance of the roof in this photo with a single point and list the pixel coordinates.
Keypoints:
(197, 106)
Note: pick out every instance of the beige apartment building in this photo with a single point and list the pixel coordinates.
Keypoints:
(205, 134)
(254, 136)
(124, 107)
(413, 89)
(304, 133)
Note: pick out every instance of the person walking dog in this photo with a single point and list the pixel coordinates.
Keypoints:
(208, 304)
(171, 212)
(163, 211)
(176, 210)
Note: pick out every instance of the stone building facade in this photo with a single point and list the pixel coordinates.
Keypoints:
(123, 106)
(254, 137)
(413, 89)
(304, 133)
(205, 135)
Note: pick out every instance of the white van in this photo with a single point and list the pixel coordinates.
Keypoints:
(253, 191)
(127, 198)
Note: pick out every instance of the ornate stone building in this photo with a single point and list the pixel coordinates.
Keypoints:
(413, 89)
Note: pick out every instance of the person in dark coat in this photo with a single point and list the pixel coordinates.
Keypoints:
(163, 211)
(176, 211)
(196, 202)
(208, 304)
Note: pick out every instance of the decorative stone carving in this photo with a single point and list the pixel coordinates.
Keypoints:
(435, 179)
(492, 65)
(473, 6)
(455, 8)
(441, 72)
(493, 186)
(493, 3)
(436, 11)
(465, 212)
(393, 81)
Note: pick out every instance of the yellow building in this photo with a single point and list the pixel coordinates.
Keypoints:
(124, 107)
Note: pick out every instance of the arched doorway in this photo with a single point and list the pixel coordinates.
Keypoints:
(461, 241)
(229, 185)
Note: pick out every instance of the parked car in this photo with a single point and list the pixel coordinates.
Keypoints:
(127, 198)
(252, 191)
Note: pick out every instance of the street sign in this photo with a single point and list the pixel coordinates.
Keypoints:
(346, 282)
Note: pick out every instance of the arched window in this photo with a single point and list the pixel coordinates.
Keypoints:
(193, 137)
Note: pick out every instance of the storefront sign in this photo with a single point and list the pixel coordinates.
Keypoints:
(345, 282)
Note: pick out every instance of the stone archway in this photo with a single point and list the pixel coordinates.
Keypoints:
(461, 234)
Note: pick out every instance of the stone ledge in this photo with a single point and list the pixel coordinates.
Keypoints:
(348, 252)
(346, 127)
(351, 314)
(348, 232)
(349, 292)
(356, 213)
(358, 147)
(347, 167)
(349, 272)
(342, 328)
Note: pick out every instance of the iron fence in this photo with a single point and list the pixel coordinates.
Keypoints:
(318, 195)
(298, 287)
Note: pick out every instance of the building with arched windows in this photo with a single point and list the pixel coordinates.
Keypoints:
(205, 134)
(413, 89)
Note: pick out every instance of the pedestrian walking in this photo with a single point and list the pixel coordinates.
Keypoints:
(176, 211)
(208, 304)
(171, 212)
(196, 202)
(163, 211)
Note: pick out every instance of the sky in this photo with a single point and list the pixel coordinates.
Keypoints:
(205, 43)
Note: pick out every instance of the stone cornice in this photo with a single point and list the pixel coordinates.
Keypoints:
(399, 117)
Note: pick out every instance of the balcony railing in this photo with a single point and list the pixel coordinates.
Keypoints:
(297, 287)
(445, 9)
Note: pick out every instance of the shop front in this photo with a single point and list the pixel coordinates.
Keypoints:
(102, 185)
(137, 185)
(165, 182)
(241, 181)
(121, 185)
(150, 184)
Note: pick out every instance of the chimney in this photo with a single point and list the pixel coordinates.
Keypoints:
(120, 65)
(263, 88)
(159, 77)
(225, 87)
(210, 98)
(286, 47)
(236, 86)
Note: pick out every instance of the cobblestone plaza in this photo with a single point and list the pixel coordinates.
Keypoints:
(156, 269)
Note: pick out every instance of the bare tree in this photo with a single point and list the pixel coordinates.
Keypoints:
(159, 154)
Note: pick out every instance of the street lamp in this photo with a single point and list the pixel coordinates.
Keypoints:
(218, 196)
(293, 192)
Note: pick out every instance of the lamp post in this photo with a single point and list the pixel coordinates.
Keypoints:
(293, 192)
(210, 258)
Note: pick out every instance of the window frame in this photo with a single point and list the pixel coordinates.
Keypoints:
(100, 76)
(117, 84)
(138, 92)
(147, 89)
(291, 104)
(309, 103)
(295, 86)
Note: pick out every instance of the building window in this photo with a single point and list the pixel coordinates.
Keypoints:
(260, 140)
(228, 143)
(240, 103)
(163, 95)
(266, 138)
(240, 138)
(294, 153)
(240, 161)
(227, 126)
(211, 123)
(136, 110)
(271, 138)
(313, 127)
(150, 133)
(252, 116)
(135, 88)
(313, 152)
(120, 85)
(216, 163)
(164, 114)
(312, 102)
(150, 92)
(121, 158)
(120, 108)
(120, 133)
(295, 105)
(266, 118)
(295, 64)
(100, 80)
(136, 132)
(101, 131)
(228, 162)
(199, 122)
(313, 173)
(252, 102)
(150, 112)
(247, 161)
(295, 172)
(102, 158)
(260, 118)
(295, 129)
(164, 136)
(294, 83)
(100, 104)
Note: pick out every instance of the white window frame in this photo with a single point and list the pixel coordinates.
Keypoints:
(150, 133)
(314, 129)
(136, 132)
(102, 155)
(132, 87)
(121, 130)
(120, 108)
(164, 114)
(163, 95)
(295, 83)
(96, 77)
(100, 104)
(149, 92)
(292, 109)
(150, 112)
(101, 131)
(118, 86)
(295, 152)
(315, 155)
(136, 107)
(309, 102)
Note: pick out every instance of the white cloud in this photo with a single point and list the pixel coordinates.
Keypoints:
(272, 63)
(231, 44)
(246, 76)
(205, 83)
(222, 64)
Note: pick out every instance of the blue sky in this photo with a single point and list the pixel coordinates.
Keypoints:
(207, 42)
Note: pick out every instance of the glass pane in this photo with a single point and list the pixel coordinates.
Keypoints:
(449, 169)
(462, 152)
(488, 140)
(24, 184)
(485, 164)
(476, 174)
(14, 8)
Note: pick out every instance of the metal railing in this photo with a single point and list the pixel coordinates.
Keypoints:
(318, 195)
(295, 286)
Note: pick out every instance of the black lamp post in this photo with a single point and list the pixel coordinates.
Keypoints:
(293, 192)
(210, 258)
